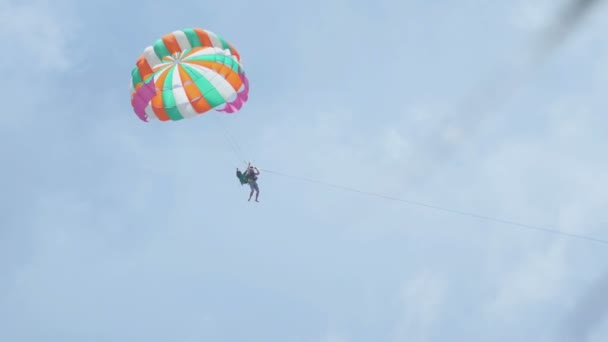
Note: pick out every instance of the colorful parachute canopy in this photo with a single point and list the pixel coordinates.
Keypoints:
(186, 73)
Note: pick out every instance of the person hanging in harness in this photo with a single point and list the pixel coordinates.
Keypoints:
(250, 176)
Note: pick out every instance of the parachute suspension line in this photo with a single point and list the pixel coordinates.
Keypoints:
(236, 149)
(438, 208)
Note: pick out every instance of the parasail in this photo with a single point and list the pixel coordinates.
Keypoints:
(187, 73)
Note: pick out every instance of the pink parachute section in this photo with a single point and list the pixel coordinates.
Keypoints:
(241, 98)
(141, 99)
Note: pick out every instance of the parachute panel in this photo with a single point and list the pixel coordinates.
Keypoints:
(186, 73)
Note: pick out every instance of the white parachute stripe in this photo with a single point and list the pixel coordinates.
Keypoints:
(150, 112)
(131, 87)
(161, 68)
(206, 51)
(215, 41)
(218, 81)
(187, 110)
(182, 40)
(214, 51)
(151, 56)
(181, 98)
(159, 72)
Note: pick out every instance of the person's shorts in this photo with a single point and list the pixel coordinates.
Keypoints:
(253, 185)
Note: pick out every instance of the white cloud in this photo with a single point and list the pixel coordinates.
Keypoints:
(421, 299)
(537, 280)
(590, 312)
(396, 146)
(37, 35)
(534, 15)
(36, 40)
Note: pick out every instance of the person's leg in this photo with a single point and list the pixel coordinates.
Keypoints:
(257, 191)
(251, 193)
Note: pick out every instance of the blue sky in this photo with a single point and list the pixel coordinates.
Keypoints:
(116, 230)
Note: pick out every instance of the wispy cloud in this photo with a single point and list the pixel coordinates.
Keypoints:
(38, 34)
(537, 280)
(421, 300)
(499, 91)
(589, 312)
